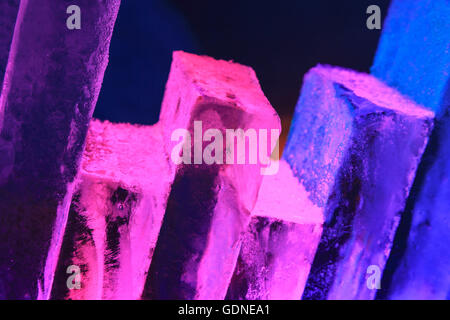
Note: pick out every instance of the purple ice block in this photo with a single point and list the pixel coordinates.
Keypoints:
(49, 92)
(8, 14)
(210, 203)
(355, 145)
(278, 247)
(116, 214)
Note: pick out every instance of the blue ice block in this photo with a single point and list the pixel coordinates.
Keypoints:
(414, 57)
(355, 144)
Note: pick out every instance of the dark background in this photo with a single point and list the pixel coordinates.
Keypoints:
(280, 39)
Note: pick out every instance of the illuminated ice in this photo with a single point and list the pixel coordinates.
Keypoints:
(414, 57)
(8, 16)
(355, 145)
(209, 205)
(278, 247)
(116, 213)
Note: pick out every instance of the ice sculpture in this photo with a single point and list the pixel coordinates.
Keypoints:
(116, 214)
(278, 247)
(354, 144)
(49, 93)
(414, 57)
(210, 203)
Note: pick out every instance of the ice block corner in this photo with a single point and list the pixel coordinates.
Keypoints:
(279, 245)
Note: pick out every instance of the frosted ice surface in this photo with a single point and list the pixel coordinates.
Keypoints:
(279, 246)
(355, 145)
(117, 211)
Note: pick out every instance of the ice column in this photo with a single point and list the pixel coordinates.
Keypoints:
(50, 90)
(414, 57)
(354, 144)
(116, 213)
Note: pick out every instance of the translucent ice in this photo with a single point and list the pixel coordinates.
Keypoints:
(49, 92)
(278, 247)
(116, 213)
(210, 203)
(414, 51)
(354, 144)
(414, 57)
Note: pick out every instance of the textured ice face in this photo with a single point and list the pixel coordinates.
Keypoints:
(413, 53)
(355, 145)
(9, 11)
(413, 57)
(209, 205)
(116, 213)
(46, 104)
(279, 245)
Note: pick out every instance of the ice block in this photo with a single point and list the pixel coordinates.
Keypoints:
(49, 92)
(414, 57)
(278, 247)
(117, 212)
(210, 202)
(355, 144)
(8, 14)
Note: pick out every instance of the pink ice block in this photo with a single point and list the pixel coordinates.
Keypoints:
(210, 204)
(117, 212)
(279, 245)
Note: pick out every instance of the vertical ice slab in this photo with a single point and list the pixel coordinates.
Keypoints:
(49, 93)
(8, 15)
(209, 205)
(116, 213)
(354, 144)
(414, 57)
(278, 247)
